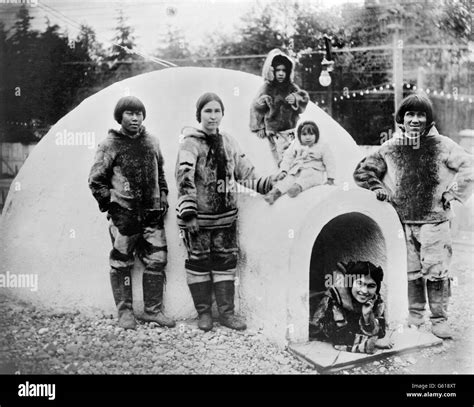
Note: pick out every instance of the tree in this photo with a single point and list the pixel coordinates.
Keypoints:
(44, 73)
(88, 40)
(3, 84)
(174, 45)
(22, 35)
(264, 27)
(20, 83)
(91, 54)
(123, 40)
(123, 61)
(456, 20)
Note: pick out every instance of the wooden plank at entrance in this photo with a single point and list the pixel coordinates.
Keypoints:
(326, 359)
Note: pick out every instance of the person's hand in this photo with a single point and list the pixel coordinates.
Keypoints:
(381, 194)
(384, 343)
(446, 199)
(274, 178)
(192, 225)
(264, 100)
(330, 181)
(261, 133)
(281, 175)
(164, 203)
(367, 309)
(291, 99)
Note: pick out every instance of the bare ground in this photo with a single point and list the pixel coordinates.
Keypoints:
(34, 341)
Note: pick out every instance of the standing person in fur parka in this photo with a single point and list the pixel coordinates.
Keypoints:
(420, 172)
(128, 182)
(209, 165)
(278, 104)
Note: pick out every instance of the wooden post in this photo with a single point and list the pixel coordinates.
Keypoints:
(330, 97)
(421, 78)
(397, 68)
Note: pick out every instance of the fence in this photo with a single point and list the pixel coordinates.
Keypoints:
(452, 116)
(12, 157)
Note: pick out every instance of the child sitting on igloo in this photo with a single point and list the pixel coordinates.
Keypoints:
(304, 164)
(279, 102)
(351, 314)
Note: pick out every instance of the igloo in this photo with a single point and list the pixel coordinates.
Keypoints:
(51, 225)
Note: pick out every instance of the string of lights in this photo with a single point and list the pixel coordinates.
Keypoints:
(388, 88)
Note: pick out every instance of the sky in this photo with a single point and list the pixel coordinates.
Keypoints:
(150, 18)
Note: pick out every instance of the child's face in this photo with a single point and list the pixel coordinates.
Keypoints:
(364, 289)
(280, 73)
(211, 116)
(132, 120)
(308, 138)
(414, 122)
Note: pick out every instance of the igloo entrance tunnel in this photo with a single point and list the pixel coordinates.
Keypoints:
(52, 227)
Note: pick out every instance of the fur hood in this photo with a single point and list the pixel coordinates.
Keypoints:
(267, 71)
(189, 131)
(118, 133)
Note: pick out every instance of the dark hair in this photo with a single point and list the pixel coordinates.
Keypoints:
(365, 268)
(205, 99)
(418, 103)
(283, 60)
(310, 124)
(128, 103)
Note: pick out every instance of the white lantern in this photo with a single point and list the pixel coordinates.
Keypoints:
(325, 78)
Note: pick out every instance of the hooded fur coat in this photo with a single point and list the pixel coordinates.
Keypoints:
(277, 115)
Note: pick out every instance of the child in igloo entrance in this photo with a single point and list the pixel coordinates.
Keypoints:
(351, 314)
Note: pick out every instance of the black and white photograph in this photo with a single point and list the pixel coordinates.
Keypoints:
(236, 188)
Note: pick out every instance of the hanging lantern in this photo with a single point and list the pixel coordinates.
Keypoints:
(325, 78)
(327, 64)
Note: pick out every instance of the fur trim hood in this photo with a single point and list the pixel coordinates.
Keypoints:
(267, 71)
(118, 133)
(189, 131)
(193, 132)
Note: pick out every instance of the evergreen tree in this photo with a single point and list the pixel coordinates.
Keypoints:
(123, 41)
(174, 46)
(123, 62)
(20, 78)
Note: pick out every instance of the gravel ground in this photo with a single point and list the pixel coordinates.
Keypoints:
(33, 342)
(37, 342)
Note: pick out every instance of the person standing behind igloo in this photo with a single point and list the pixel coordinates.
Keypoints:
(128, 181)
(278, 104)
(208, 165)
(420, 172)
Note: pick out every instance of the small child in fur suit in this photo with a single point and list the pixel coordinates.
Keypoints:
(304, 164)
(278, 104)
